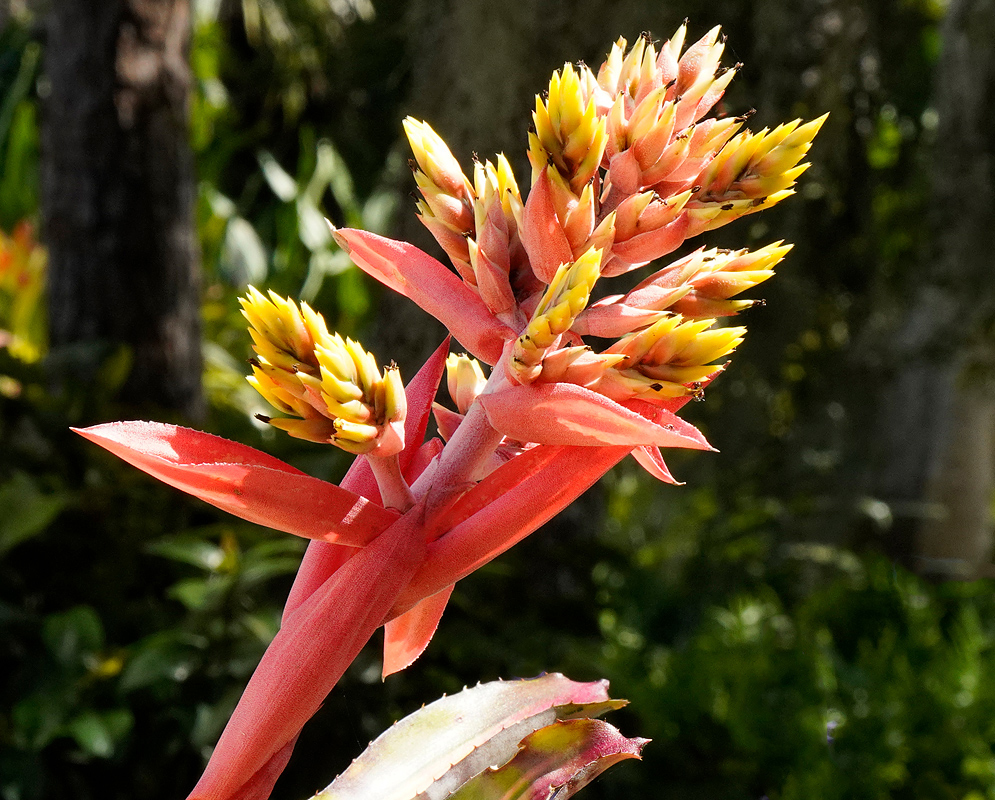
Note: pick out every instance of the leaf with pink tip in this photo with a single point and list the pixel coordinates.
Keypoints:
(556, 761)
(542, 233)
(446, 420)
(420, 394)
(563, 413)
(419, 277)
(435, 750)
(244, 481)
(423, 459)
(407, 636)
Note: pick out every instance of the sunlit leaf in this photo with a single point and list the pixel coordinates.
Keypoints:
(279, 180)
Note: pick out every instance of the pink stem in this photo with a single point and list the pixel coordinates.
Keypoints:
(465, 453)
(394, 490)
(320, 639)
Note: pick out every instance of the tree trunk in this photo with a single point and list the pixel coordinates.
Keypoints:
(939, 420)
(118, 193)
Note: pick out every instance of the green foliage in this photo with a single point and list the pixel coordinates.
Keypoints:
(758, 666)
(867, 686)
(20, 59)
(127, 615)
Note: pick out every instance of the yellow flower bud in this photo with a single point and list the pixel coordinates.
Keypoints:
(569, 132)
(332, 384)
(436, 160)
(446, 207)
(465, 380)
(668, 358)
(752, 171)
(564, 298)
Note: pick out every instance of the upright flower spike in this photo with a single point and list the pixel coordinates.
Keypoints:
(569, 133)
(562, 211)
(652, 135)
(563, 300)
(496, 183)
(331, 384)
(446, 207)
(495, 249)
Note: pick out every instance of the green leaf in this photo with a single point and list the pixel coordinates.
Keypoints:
(73, 634)
(279, 180)
(167, 657)
(243, 255)
(26, 510)
(19, 176)
(379, 211)
(97, 733)
(190, 550)
(352, 295)
(37, 719)
(311, 225)
(271, 559)
(332, 171)
(18, 91)
(114, 371)
(198, 594)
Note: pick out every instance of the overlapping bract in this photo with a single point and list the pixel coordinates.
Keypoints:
(626, 166)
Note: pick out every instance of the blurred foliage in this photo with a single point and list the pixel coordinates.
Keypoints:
(766, 646)
(22, 293)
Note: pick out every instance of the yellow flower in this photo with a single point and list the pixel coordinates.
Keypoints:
(331, 385)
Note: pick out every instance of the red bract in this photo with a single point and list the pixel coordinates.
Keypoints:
(624, 169)
(367, 565)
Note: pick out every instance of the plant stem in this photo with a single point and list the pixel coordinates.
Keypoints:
(465, 453)
(394, 490)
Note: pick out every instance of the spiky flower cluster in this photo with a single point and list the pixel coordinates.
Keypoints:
(331, 387)
(626, 166)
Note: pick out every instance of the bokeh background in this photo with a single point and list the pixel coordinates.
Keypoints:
(810, 616)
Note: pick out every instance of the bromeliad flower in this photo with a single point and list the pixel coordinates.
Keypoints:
(625, 167)
(332, 384)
